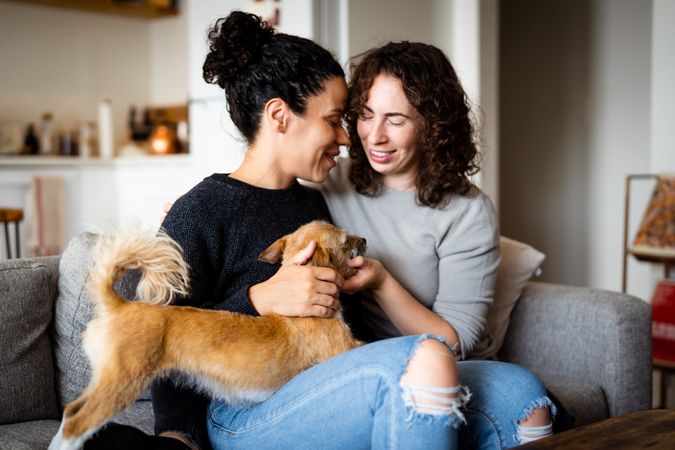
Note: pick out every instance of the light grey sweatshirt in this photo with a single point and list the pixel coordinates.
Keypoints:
(446, 258)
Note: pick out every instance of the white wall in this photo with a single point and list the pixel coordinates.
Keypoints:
(663, 87)
(467, 31)
(376, 22)
(619, 144)
(168, 78)
(489, 98)
(575, 120)
(65, 62)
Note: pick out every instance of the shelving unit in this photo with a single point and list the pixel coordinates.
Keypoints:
(666, 368)
(142, 9)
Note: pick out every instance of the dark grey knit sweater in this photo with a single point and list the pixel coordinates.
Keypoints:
(222, 225)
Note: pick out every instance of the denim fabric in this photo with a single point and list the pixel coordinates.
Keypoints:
(351, 401)
(355, 401)
(502, 395)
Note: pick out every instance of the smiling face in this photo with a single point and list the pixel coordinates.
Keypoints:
(389, 128)
(314, 138)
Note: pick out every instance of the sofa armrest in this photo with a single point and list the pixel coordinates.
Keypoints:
(28, 288)
(593, 336)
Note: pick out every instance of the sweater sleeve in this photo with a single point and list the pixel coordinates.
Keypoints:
(238, 302)
(197, 223)
(468, 259)
(189, 223)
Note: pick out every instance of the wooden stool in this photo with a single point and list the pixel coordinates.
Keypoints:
(7, 216)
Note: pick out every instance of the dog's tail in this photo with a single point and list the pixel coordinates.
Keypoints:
(159, 258)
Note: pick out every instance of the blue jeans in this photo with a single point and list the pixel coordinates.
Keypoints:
(503, 394)
(355, 400)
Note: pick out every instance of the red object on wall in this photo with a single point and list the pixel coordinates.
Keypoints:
(663, 321)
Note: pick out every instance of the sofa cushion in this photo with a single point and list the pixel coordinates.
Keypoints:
(73, 312)
(585, 402)
(28, 435)
(519, 262)
(38, 433)
(27, 289)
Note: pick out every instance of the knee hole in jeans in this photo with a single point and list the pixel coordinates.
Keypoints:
(430, 383)
(537, 426)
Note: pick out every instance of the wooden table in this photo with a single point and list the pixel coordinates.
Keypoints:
(653, 429)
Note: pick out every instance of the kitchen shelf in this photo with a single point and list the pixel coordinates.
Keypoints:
(142, 9)
(71, 161)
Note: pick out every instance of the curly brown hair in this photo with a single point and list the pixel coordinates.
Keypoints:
(449, 154)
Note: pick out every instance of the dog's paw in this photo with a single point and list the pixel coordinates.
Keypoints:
(67, 444)
(57, 439)
(60, 443)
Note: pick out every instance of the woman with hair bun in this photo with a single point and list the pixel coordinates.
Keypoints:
(287, 96)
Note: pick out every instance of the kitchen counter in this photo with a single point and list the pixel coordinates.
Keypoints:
(74, 161)
(100, 193)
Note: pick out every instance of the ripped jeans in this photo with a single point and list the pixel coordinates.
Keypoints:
(355, 401)
(503, 394)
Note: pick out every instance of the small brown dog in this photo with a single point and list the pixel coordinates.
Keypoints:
(240, 358)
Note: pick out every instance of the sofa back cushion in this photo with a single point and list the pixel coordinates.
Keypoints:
(27, 292)
(73, 311)
(519, 262)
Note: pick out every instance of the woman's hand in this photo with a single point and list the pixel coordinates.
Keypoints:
(297, 290)
(370, 274)
(408, 315)
(165, 210)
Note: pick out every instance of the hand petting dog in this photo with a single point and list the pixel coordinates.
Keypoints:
(368, 273)
(298, 291)
(279, 294)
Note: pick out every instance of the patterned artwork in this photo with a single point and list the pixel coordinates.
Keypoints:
(657, 230)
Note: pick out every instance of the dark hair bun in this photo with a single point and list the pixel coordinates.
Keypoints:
(234, 43)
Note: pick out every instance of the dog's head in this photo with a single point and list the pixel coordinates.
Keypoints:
(334, 247)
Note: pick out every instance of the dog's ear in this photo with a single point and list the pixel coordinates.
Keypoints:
(273, 253)
(320, 258)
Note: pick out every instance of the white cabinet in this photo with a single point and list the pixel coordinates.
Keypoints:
(100, 195)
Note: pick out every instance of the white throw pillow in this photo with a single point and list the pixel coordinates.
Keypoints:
(519, 262)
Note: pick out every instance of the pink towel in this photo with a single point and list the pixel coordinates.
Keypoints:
(45, 218)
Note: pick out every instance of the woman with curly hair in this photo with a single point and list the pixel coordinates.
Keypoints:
(433, 238)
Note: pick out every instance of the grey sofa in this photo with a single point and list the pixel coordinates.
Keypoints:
(592, 348)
